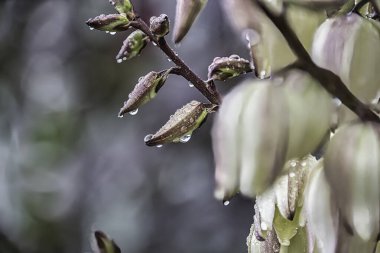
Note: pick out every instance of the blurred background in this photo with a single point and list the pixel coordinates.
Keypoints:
(69, 165)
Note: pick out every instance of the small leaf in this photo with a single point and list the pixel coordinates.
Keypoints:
(186, 13)
(122, 6)
(132, 46)
(223, 68)
(182, 123)
(145, 90)
(110, 22)
(159, 26)
(103, 244)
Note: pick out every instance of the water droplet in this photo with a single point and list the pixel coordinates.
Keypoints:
(262, 74)
(107, 31)
(292, 174)
(112, 33)
(154, 43)
(176, 54)
(169, 60)
(226, 202)
(234, 57)
(263, 226)
(159, 146)
(119, 60)
(148, 137)
(120, 116)
(124, 58)
(141, 78)
(303, 164)
(92, 28)
(293, 163)
(134, 112)
(185, 138)
(191, 85)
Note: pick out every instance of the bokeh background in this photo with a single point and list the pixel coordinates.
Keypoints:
(69, 165)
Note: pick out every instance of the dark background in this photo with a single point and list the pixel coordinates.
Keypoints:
(69, 165)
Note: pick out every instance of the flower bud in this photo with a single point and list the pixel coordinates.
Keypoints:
(290, 187)
(145, 90)
(159, 26)
(352, 166)
(223, 68)
(320, 210)
(349, 46)
(310, 113)
(132, 46)
(181, 125)
(109, 23)
(122, 6)
(264, 130)
(186, 13)
(269, 245)
(101, 243)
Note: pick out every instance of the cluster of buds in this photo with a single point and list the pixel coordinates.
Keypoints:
(268, 133)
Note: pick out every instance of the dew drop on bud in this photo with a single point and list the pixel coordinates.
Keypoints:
(119, 60)
(293, 163)
(262, 74)
(107, 31)
(134, 112)
(169, 60)
(154, 44)
(124, 58)
(185, 138)
(263, 226)
(226, 202)
(112, 33)
(120, 116)
(159, 146)
(292, 174)
(92, 28)
(191, 85)
(148, 137)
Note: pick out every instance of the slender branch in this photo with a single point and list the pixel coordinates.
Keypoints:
(330, 81)
(207, 90)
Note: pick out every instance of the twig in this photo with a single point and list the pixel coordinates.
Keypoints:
(208, 91)
(330, 81)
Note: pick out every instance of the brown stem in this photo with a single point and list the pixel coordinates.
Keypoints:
(207, 90)
(330, 81)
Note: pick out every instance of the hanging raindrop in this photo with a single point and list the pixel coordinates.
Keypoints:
(119, 60)
(112, 33)
(185, 138)
(226, 203)
(159, 146)
(134, 112)
(148, 137)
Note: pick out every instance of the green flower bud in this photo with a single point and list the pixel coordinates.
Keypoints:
(145, 90)
(132, 46)
(122, 6)
(181, 125)
(159, 26)
(352, 166)
(109, 23)
(349, 46)
(223, 68)
(101, 243)
(186, 13)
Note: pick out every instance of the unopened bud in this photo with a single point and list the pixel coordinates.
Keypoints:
(110, 23)
(343, 44)
(181, 125)
(223, 68)
(186, 13)
(122, 6)
(101, 243)
(145, 90)
(352, 166)
(159, 26)
(132, 45)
